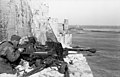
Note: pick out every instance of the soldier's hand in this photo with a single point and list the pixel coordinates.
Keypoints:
(21, 49)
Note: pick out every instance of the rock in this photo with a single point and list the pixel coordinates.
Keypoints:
(79, 68)
(8, 75)
(23, 18)
(15, 18)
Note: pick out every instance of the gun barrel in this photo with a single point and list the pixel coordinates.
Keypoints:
(41, 53)
(92, 50)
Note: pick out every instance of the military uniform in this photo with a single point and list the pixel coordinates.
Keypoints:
(8, 55)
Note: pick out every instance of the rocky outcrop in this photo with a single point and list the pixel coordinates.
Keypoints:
(40, 19)
(78, 68)
(15, 18)
(23, 18)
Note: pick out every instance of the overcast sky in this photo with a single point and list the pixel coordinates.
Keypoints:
(86, 12)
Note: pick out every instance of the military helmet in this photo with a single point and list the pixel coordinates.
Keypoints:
(15, 37)
(32, 39)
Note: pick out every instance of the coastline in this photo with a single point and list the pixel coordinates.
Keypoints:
(105, 31)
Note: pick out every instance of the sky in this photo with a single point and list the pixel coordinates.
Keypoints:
(86, 12)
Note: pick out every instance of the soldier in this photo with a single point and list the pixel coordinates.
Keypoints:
(9, 54)
(28, 44)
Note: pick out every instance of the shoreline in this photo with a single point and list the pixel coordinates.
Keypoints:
(105, 31)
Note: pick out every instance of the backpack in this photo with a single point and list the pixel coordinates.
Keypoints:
(3, 52)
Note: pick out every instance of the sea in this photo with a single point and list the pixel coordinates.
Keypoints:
(102, 28)
(100, 37)
(106, 40)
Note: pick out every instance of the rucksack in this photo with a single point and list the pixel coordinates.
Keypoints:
(3, 53)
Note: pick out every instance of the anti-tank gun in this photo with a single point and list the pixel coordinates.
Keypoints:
(36, 51)
(49, 55)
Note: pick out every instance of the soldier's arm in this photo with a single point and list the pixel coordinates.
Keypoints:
(12, 55)
(3, 49)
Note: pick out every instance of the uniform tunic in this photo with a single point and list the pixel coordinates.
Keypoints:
(7, 54)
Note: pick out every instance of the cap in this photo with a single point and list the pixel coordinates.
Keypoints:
(32, 39)
(15, 37)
